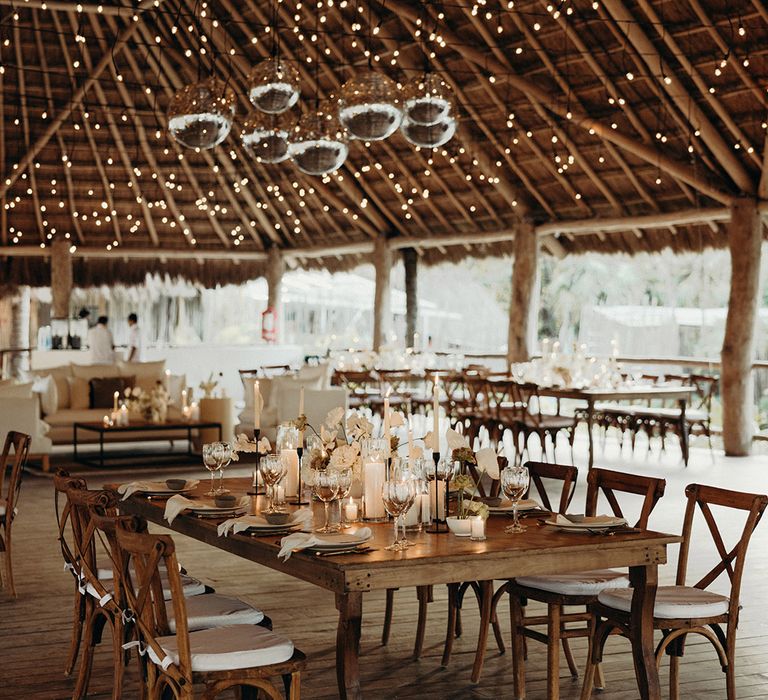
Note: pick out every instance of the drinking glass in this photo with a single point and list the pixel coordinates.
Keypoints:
(398, 497)
(223, 453)
(345, 486)
(514, 484)
(272, 470)
(211, 460)
(325, 485)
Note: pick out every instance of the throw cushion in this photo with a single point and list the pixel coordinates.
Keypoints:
(45, 387)
(89, 372)
(143, 370)
(176, 384)
(16, 391)
(59, 375)
(79, 393)
(103, 390)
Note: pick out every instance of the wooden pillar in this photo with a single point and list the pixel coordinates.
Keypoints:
(411, 268)
(736, 381)
(19, 362)
(275, 270)
(61, 278)
(382, 311)
(523, 281)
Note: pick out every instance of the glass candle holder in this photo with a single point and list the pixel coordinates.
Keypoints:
(374, 457)
(287, 445)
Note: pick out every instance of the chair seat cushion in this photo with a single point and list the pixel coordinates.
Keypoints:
(189, 585)
(579, 583)
(672, 602)
(229, 648)
(214, 610)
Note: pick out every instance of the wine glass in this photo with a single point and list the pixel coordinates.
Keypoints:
(514, 483)
(398, 497)
(325, 485)
(345, 486)
(272, 469)
(223, 453)
(211, 462)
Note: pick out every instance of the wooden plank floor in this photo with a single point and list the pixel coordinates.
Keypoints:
(35, 629)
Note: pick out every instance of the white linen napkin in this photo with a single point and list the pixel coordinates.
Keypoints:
(127, 490)
(175, 504)
(304, 540)
(586, 520)
(302, 517)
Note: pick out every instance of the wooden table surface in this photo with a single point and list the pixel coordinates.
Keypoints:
(439, 559)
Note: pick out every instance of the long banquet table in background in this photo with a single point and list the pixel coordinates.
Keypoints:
(442, 559)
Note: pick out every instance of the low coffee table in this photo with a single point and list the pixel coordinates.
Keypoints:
(139, 432)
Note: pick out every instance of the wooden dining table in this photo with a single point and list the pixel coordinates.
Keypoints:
(440, 559)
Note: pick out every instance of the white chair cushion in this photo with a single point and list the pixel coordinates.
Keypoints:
(578, 583)
(228, 648)
(672, 602)
(189, 585)
(214, 610)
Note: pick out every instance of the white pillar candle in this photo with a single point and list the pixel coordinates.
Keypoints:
(183, 398)
(350, 510)
(115, 397)
(423, 499)
(436, 414)
(301, 413)
(290, 458)
(256, 405)
(477, 527)
(440, 487)
(413, 515)
(123, 415)
(167, 380)
(373, 482)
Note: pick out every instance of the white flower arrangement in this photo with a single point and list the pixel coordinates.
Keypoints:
(243, 443)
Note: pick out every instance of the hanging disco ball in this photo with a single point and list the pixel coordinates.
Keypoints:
(200, 115)
(369, 106)
(319, 142)
(427, 99)
(273, 86)
(429, 135)
(267, 136)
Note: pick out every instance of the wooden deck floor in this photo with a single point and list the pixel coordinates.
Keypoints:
(35, 629)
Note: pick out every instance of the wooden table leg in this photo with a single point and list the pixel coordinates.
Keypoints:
(350, 607)
(684, 431)
(644, 580)
(590, 422)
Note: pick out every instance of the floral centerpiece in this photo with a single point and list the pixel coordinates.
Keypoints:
(339, 443)
(209, 385)
(463, 482)
(150, 405)
(243, 443)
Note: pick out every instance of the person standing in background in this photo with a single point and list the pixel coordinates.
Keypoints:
(101, 343)
(134, 339)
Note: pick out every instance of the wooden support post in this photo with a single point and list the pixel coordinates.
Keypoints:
(744, 241)
(61, 277)
(382, 312)
(523, 281)
(275, 270)
(411, 265)
(20, 306)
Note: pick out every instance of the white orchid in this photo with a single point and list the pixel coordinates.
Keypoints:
(334, 417)
(328, 437)
(431, 443)
(456, 440)
(244, 444)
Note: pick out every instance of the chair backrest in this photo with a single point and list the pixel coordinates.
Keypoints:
(610, 482)
(141, 557)
(62, 483)
(554, 472)
(20, 443)
(731, 561)
(705, 386)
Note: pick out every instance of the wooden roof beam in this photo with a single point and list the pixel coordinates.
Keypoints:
(558, 106)
(125, 11)
(128, 31)
(663, 73)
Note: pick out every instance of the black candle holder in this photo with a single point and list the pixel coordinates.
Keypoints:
(298, 500)
(254, 487)
(439, 525)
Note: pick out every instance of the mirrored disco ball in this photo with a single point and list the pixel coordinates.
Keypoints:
(267, 136)
(429, 135)
(319, 143)
(369, 106)
(200, 115)
(273, 86)
(427, 99)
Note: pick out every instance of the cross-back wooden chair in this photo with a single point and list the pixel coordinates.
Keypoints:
(578, 588)
(19, 443)
(553, 484)
(682, 609)
(237, 656)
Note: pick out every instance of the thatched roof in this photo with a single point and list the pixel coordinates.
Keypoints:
(570, 111)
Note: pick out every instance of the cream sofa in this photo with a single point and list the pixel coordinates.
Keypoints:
(60, 413)
(20, 410)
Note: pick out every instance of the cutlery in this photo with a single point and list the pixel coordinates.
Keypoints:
(356, 550)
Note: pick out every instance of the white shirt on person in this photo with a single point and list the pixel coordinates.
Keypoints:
(101, 345)
(134, 341)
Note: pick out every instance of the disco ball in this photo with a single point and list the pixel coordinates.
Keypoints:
(200, 115)
(427, 99)
(319, 143)
(429, 135)
(267, 136)
(273, 86)
(369, 106)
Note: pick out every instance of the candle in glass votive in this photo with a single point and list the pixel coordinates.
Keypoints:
(477, 527)
(290, 458)
(123, 414)
(440, 487)
(183, 399)
(350, 510)
(256, 405)
(373, 482)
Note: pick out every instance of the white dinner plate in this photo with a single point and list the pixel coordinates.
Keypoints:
(341, 541)
(160, 489)
(506, 506)
(581, 522)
